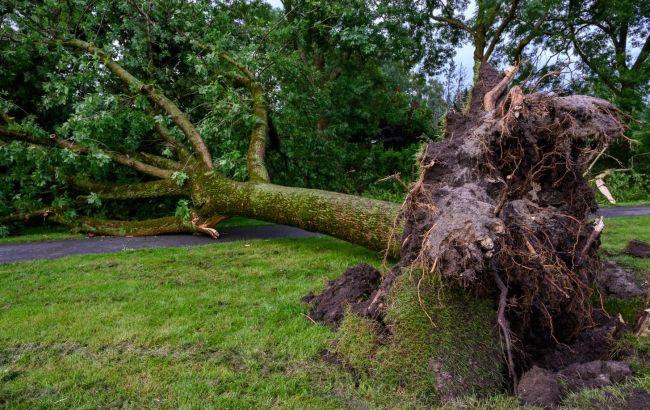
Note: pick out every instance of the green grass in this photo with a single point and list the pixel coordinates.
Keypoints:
(604, 203)
(40, 233)
(216, 326)
(211, 326)
(618, 231)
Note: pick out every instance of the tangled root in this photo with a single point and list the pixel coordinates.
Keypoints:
(502, 201)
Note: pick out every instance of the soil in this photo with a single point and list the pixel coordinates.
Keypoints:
(540, 387)
(635, 399)
(618, 281)
(545, 388)
(352, 288)
(638, 248)
(591, 344)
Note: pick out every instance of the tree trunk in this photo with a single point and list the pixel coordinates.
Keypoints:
(364, 221)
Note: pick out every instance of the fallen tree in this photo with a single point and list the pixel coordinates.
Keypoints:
(501, 213)
(214, 197)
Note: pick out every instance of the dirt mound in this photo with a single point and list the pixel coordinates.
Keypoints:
(352, 288)
(618, 281)
(638, 248)
(540, 387)
(546, 388)
(635, 399)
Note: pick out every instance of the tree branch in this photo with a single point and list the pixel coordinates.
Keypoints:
(56, 142)
(491, 97)
(588, 61)
(238, 65)
(141, 190)
(255, 157)
(149, 227)
(504, 24)
(643, 54)
(158, 161)
(156, 97)
(454, 22)
(165, 134)
(26, 216)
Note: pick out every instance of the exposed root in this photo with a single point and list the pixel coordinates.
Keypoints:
(508, 217)
(505, 330)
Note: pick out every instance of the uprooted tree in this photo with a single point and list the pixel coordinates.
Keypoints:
(497, 228)
(501, 213)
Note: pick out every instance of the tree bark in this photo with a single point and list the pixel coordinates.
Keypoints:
(364, 221)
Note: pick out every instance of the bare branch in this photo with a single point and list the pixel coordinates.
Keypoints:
(491, 97)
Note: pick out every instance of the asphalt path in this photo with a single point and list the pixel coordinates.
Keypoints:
(25, 251)
(57, 249)
(619, 211)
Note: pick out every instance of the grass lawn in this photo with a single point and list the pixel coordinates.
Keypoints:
(215, 326)
(210, 326)
(618, 231)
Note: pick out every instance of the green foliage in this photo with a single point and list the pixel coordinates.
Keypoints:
(180, 177)
(94, 199)
(4, 231)
(337, 77)
(628, 186)
(183, 210)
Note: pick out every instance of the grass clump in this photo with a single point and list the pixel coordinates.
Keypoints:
(357, 341)
(441, 344)
(628, 308)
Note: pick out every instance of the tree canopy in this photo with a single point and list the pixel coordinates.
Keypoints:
(329, 95)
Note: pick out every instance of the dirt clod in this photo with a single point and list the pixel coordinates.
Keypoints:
(353, 287)
(638, 248)
(543, 387)
(594, 374)
(619, 281)
(539, 387)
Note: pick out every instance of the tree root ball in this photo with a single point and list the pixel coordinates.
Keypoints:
(501, 212)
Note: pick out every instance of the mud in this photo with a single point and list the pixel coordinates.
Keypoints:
(638, 248)
(350, 290)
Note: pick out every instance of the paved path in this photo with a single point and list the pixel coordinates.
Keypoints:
(57, 249)
(618, 211)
